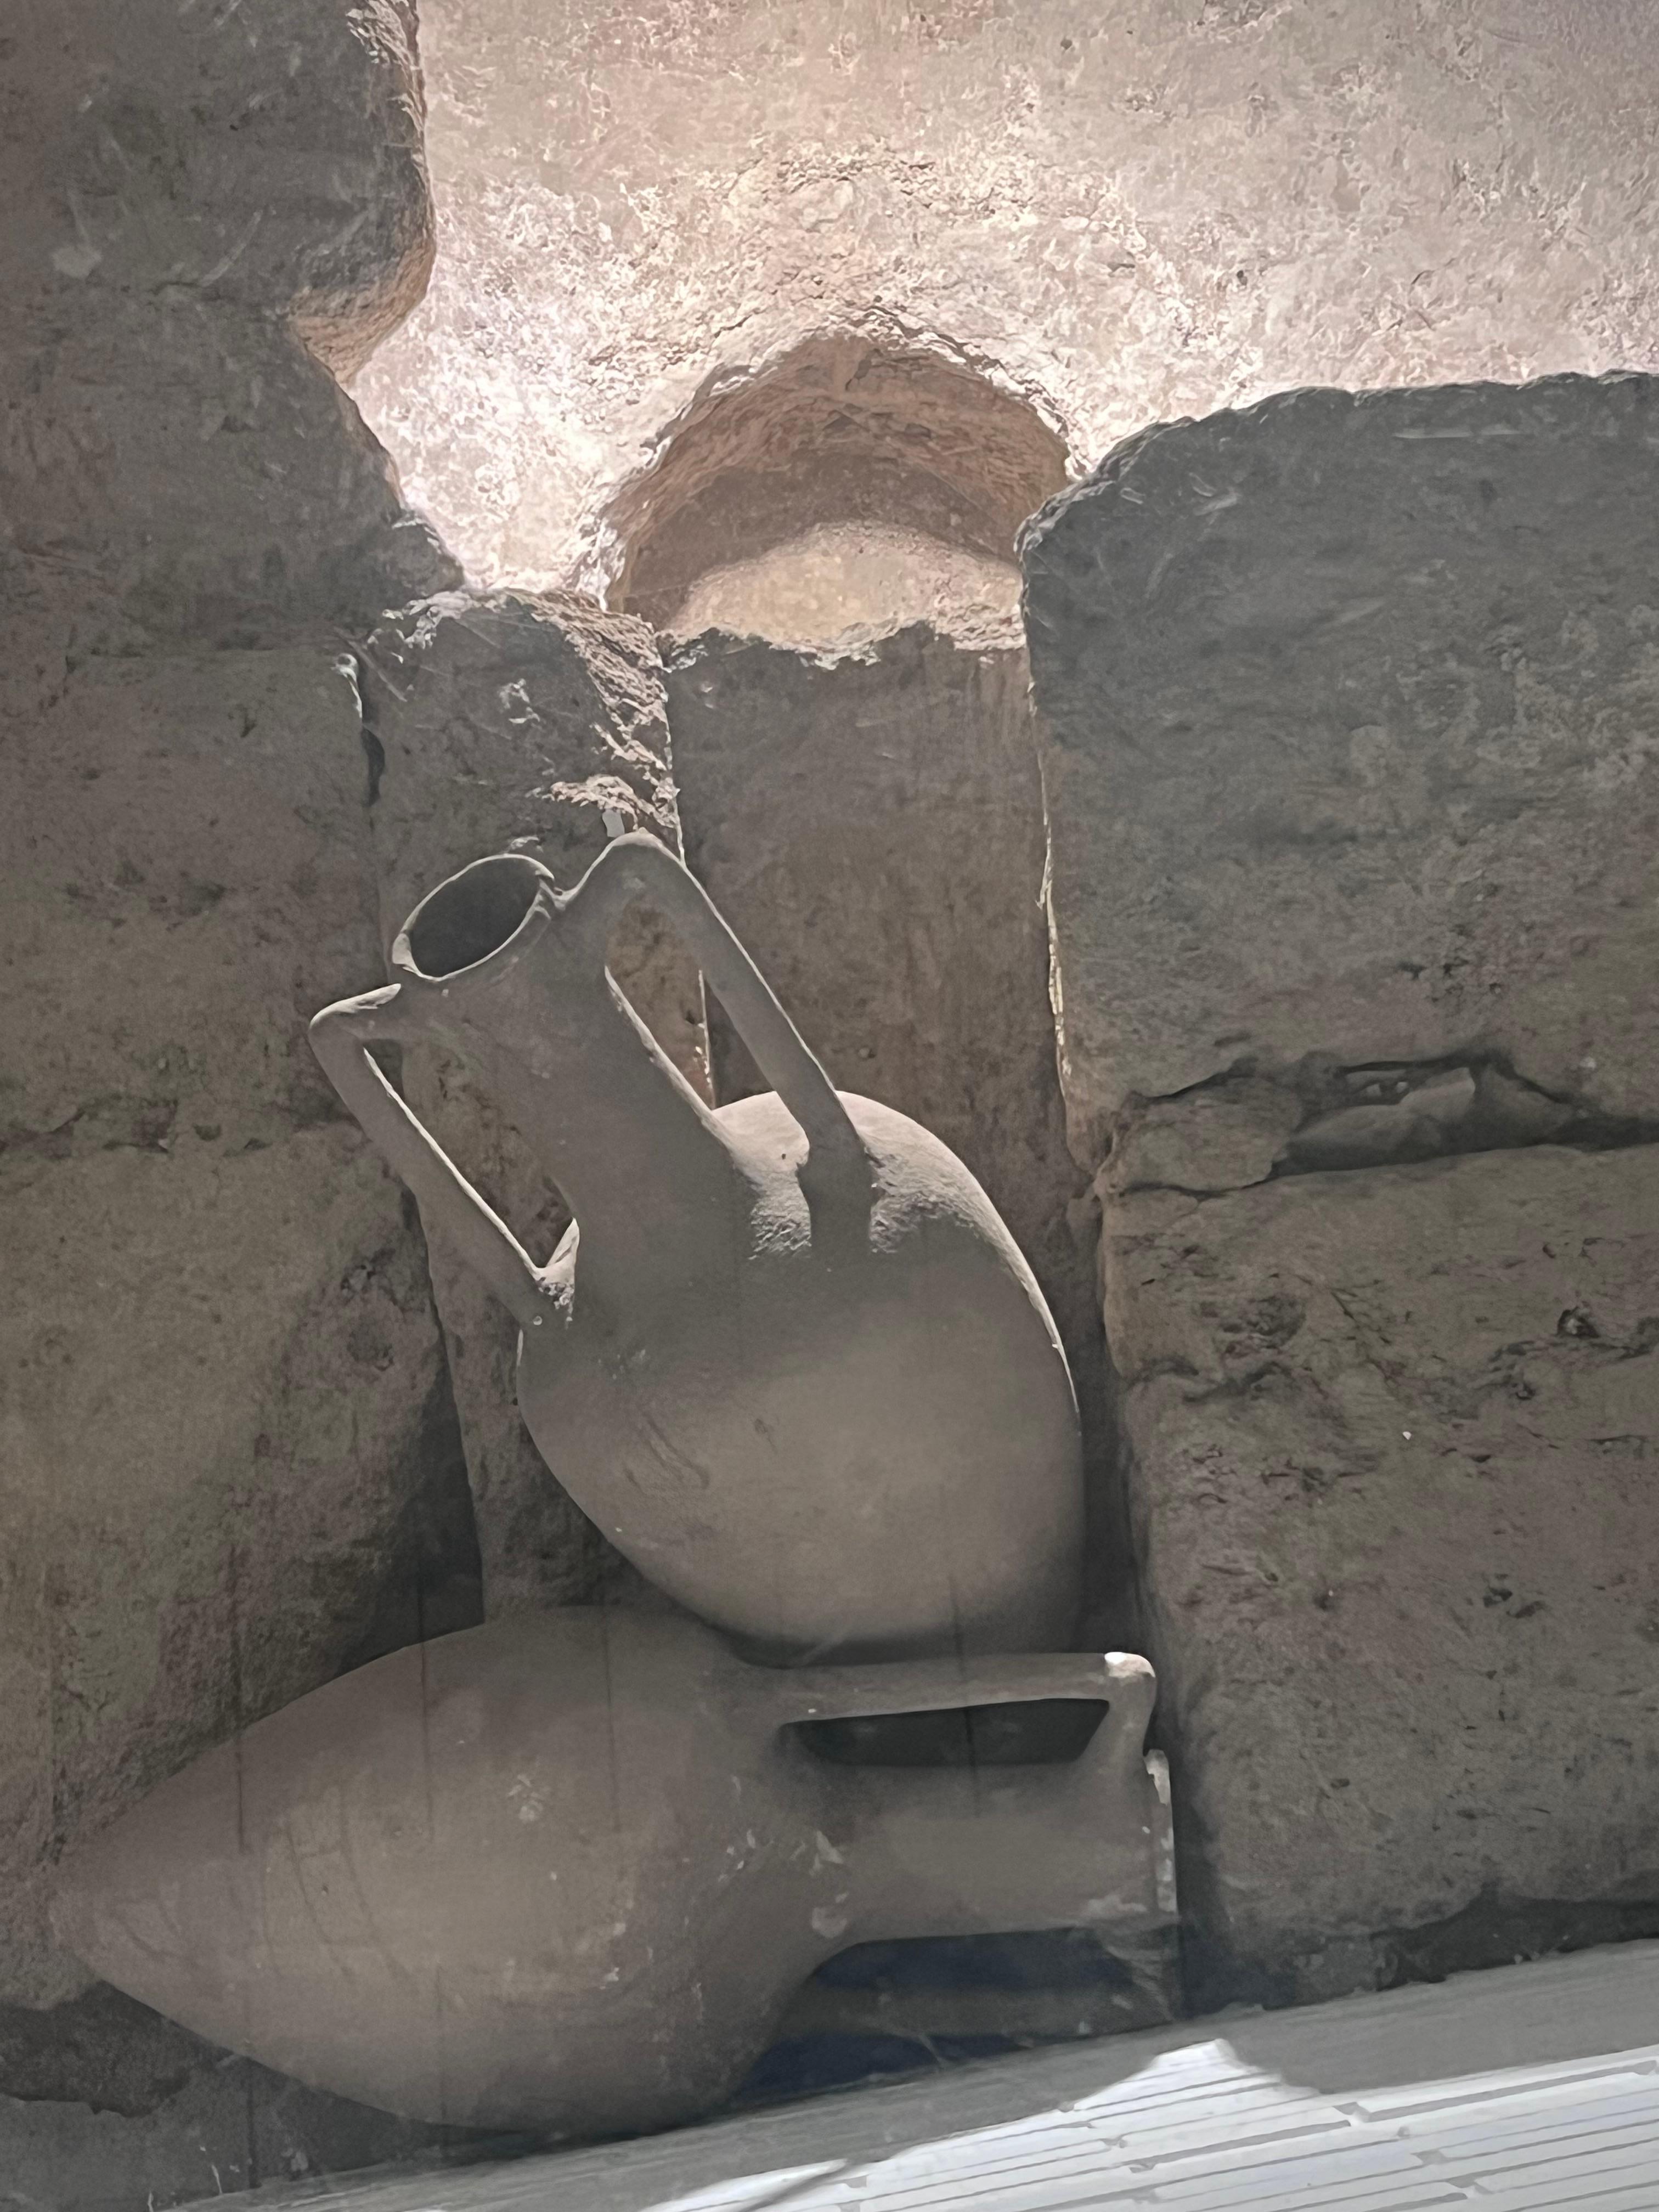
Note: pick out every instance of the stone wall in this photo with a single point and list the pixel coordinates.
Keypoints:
(232, 1463)
(508, 722)
(1348, 712)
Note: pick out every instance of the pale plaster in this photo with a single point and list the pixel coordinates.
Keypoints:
(829, 584)
(1127, 210)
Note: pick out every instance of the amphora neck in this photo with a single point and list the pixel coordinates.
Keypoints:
(511, 973)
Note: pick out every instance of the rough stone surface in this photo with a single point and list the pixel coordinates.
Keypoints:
(869, 823)
(207, 157)
(841, 431)
(1348, 708)
(1222, 1136)
(191, 192)
(113, 2108)
(1123, 213)
(1392, 1449)
(196, 472)
(1345, 707)
(518, 722)
(231, 1463)
(841, 579)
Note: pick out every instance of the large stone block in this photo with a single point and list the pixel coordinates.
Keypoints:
(1348, 706)
(189, 468)
(1393, 1436)
(277, 163)
(497, 722)
(231, 1465)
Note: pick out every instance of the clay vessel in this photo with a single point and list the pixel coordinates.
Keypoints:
(564, 1871)
(788, 1359)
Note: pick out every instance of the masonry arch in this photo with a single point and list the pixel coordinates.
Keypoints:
(858, 465)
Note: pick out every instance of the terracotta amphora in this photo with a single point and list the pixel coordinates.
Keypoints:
(564, 1871)
(789, 1357)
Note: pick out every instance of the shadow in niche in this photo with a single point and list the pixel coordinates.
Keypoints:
(1492, 1931)
(432, 1581)
(872, 425)
(921, 2003)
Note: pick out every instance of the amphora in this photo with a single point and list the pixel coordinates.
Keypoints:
(788, 1358)
(564, 1871)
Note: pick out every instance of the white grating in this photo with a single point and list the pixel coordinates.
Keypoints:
(1527, 2089)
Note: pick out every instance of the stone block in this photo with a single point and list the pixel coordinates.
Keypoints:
(870, 821)
(231, 1466)
(1393, 1440)
(167, 151)
(517, 721)
(1347, 706)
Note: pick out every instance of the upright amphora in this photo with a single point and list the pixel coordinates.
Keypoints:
(788, 1358)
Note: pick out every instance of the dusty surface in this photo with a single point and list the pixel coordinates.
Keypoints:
(496, 723)
(1353, 895)
(1389, 849)
(1385, 793)
(847, 579)
(1392, 1439)
(1124, 213)
(869, 824)
(232, 1465)
(201, 157)
(190, 469)
(185, 192)
(841, 431)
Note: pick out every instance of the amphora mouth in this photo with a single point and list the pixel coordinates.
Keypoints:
(476, 913)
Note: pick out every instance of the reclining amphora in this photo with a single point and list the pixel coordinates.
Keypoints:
(566, 1871)
(788, 1357)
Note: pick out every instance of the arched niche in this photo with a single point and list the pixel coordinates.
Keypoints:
(854, 447)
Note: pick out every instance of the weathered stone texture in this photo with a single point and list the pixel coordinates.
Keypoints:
(231, 1463)
(201, 475)
(1125, 213)
(275, 162)
(113, 2108)
(497, 722)
(1348, 706)
(841, 431)
(192, 193)
(1394, 1438)
(869, 822)
(223, 1396)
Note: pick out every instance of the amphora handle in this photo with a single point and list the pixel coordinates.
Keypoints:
(632, 868)
(640, 867)
(340, 1036)
(1121, 1681)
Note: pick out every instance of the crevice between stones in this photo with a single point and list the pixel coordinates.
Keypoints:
(1242, 1126)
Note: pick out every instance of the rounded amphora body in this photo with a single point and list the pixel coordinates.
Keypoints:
(564, 1872)
(869, 1449)
(789, 1357)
